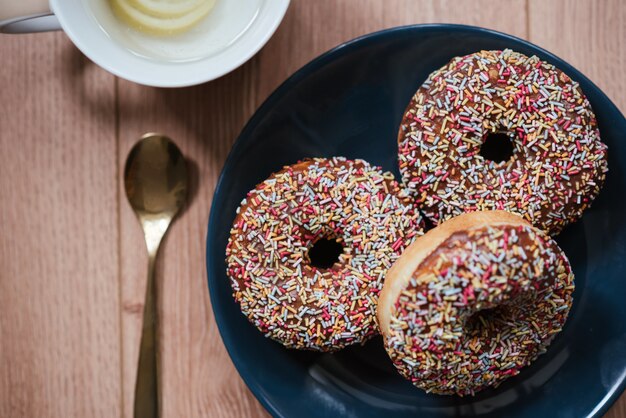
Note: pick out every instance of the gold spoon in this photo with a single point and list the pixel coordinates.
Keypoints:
(155, 179)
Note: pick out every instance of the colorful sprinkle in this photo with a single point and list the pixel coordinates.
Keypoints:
(281, 293)
(486, 303)
(558, 165)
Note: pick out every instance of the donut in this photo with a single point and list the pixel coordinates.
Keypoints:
(349, 203)
(473, 301)
(482, 103)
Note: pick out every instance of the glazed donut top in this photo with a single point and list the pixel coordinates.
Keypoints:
(286, 297)
(558, 164)
(512, 268)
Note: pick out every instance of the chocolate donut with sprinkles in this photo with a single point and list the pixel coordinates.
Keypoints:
(473, 301)
(356, 207)
(454, 136)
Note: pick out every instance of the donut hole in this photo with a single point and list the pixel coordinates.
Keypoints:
(486, 322)
(325, 252)
(497, 147)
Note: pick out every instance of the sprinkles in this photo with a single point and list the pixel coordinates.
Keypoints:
(484, 304)
(279, 290)
(558, 165)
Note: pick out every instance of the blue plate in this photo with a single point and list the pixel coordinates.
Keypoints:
(349, 102)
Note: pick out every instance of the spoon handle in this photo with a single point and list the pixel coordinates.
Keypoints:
(147, 386)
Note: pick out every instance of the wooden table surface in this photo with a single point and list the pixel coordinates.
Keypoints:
(72, 259)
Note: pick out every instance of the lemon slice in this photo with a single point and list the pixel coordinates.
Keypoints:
(166, 8)
(155, 20)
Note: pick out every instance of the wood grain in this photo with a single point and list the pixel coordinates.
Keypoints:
(59, 293)
(590, 35)
(60, 349)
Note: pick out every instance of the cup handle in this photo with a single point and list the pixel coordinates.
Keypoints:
(27, 16)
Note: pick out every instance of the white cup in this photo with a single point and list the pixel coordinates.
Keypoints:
(232, 33)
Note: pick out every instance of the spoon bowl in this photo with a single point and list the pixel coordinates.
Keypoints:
(155, 176)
